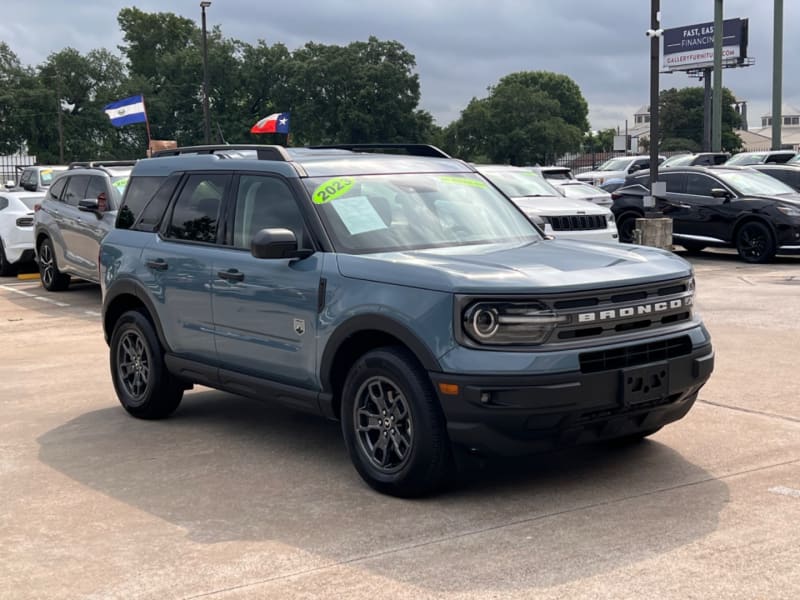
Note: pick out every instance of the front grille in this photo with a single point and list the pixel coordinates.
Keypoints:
(577, 222)
(632, 356)
(622, 310)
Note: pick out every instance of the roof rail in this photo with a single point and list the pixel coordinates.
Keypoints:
(264, 152)
(412, 149)
(93, 164)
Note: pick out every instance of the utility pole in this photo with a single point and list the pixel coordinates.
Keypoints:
(777, 74)
(655, 53)
(716, 113)
(206, 117)
(706, 110)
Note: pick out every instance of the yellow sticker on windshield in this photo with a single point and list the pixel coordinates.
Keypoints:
(120, 183)
(332, 189)
(462, 181)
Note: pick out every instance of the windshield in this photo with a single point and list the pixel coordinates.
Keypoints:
(519, 183)
(679, 160)
(751, 182)
(383, 213)
(796, 159)
(615, 164)
(581, 190)
(46, 176)
(118, 184)
(746, 159)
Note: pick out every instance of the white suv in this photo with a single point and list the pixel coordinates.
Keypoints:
(560, 217)
(618, 167)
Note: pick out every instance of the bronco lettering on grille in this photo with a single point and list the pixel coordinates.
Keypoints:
(634, 311)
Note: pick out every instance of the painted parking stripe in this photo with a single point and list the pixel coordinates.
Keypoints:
(93, 313)
(34, 296)
(28, 276)
(785, 491)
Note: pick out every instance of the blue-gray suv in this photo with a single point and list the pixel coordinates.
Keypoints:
(400, 293)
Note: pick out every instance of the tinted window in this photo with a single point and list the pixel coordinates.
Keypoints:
(195, 216)
(97, 186)
(778, 158)
(700, 185)
(791, 178)
(3, 203)
(265, 203)
(76, 189)
(139, 192)
(55, 190)
(676, 182)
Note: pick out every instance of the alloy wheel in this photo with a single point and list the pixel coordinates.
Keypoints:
(133, 366)
(46, 266)
(383, 424)
(753, 242)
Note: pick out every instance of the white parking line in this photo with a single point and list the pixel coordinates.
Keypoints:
(785, 491)
(34, 296)
(93, 313)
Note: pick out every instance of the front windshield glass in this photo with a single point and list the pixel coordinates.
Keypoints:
(384, 213)
(679, 160)
(615, 164)
(751, 182)
(796, 159)
(46, 176)
(519, 183)
(746, 159)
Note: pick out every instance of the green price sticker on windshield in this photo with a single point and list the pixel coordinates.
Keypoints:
(332, 189)
(120, 183)
(462, 181)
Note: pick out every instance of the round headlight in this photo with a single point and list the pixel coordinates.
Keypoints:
(485, 322)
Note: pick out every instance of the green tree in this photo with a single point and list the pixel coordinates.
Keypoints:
(681, 117)
(601, 141)
(528, 117)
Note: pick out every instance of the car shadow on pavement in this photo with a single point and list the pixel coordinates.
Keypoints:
(225, 469)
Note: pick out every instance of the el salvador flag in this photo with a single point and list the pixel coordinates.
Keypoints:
(126, 111)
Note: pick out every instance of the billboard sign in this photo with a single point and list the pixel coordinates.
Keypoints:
(692, 47)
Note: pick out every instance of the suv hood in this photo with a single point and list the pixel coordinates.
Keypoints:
(549, 266)
(553, 206)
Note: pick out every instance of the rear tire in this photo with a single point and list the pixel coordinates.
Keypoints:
(144, 386)
(393, 426)
(754, 242)
(53, 280)
(626, 223)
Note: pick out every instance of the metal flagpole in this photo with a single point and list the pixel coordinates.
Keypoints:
(147, 124)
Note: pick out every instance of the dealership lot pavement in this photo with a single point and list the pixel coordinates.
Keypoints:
(235, 499)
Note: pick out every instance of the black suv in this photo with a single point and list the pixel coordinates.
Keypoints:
(718, 206)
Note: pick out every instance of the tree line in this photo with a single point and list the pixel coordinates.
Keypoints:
(365, 91)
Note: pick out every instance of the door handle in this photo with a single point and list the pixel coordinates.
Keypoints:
(231, 275)
(158, 264)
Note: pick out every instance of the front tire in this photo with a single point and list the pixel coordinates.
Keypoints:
(393, 426)
(754, 242)
(53, 280)
(144, 386)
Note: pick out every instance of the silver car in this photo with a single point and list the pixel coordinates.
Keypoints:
(79, 209)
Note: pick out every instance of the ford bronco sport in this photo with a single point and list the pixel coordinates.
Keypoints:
(403, 295)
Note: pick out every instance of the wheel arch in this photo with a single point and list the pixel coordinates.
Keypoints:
(750, 218)
(122, 297)
(357, 336)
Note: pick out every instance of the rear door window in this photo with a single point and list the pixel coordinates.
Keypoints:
(76, 189)
(197, 210)
(676, 182)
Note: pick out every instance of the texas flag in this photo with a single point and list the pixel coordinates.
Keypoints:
(275, 123)
(126, 111)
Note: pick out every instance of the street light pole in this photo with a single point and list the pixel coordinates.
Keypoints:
(655, 50)
(206, 117)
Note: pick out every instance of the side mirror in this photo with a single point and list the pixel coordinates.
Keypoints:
(634, 168)
(720, 193)
(276, 243)
(88, 205)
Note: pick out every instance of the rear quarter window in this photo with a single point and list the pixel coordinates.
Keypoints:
(138, 193)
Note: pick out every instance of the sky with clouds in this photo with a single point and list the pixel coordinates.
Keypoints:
(461, 46)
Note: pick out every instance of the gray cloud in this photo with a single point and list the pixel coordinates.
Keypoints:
(461, 47)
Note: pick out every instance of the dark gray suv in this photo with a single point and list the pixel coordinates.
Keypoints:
(77, 212)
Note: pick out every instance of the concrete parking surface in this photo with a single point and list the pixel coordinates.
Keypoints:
(235, 499)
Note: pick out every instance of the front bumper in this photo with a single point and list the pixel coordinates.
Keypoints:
(516, 415)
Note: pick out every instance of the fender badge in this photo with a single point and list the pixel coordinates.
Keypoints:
(299, 326)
